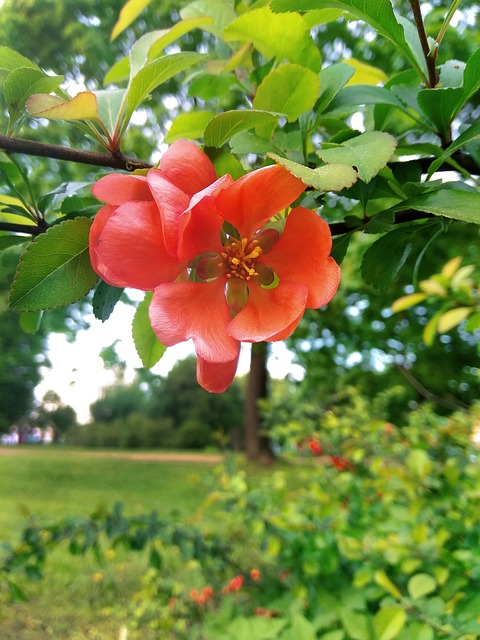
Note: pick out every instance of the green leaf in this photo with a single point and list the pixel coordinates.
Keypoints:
(55, 269)
(469, 135)
(439, 105)
(471, 78)
(340, 247)
(421, 584)
(23, 82)
(419, 463)
(225, 125)
(284, 37)
(302, 628)
(389, 622)
(154, 74)
(30, 321)
(332, 177)
(332, 80)
(289, 89)
(104, 300)
(119, 72)
(450, 203)
(384, 581)
(109, 104)
(11, 59)
(224, 162)
(220, 11)
(368, 153)
(177, 31)
(338, 634)
(189, 125)
(148, 346)
(11, 241)
(377, 13)
(355, 624)
(350, 98)
(128, 13)
(387, 255)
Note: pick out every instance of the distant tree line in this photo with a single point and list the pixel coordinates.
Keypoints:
(170, 412)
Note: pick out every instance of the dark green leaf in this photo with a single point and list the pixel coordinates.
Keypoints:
(450, 203)
(104, 300)
(387, 255)
(30, 321)
(469, 135)
(55, 269)
(340, 247)
(439, 105)
(148, 346)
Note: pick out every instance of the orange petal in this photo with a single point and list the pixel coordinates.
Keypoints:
(269, 311)
(257, 196)
(187, 167)
(117, 188)
(127, 248)
(302, 256)
(196, 310)
(171, 202)
(201, 224)
(216, 377)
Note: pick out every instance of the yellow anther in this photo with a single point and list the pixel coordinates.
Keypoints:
(235, 261)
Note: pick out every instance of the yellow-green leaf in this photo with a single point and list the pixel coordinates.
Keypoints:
(280, 36)
(368, 153)
(189, 125)
(451, 266)
(452, 318)
(129, 12)
(365, 73)
(389, 622)
(384, 581)
(331, 177)
(82, 107)
(421, 585)
(405, 302)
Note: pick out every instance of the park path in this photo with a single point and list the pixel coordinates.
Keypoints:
(144, 456)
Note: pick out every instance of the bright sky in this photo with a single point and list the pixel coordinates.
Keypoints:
(78, 375)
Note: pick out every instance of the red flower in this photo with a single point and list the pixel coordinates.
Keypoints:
(235, 584)
(340, 463)
(255, 575)
(315, 447)
(248, 280)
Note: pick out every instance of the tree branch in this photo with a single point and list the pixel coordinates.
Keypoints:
(431, 69)
(409, 215)
(33, 148)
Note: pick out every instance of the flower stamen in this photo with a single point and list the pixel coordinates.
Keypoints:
(239, 256)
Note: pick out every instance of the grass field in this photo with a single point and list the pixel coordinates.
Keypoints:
(72, 602)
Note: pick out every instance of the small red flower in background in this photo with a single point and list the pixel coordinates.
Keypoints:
(201, 597)
(340, 463)
(315, 447)
(221, 272)
(235, 584)
(255, 575)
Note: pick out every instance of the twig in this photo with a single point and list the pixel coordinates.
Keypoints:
(431, 69)
(33, 148)
(423, 391)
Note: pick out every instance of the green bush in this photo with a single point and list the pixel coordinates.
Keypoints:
(372, 532)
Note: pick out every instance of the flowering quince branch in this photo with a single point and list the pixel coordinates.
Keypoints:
(220, 270)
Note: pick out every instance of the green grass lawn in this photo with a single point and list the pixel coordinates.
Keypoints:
(77, 599)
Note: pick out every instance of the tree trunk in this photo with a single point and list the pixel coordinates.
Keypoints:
(257, 445)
